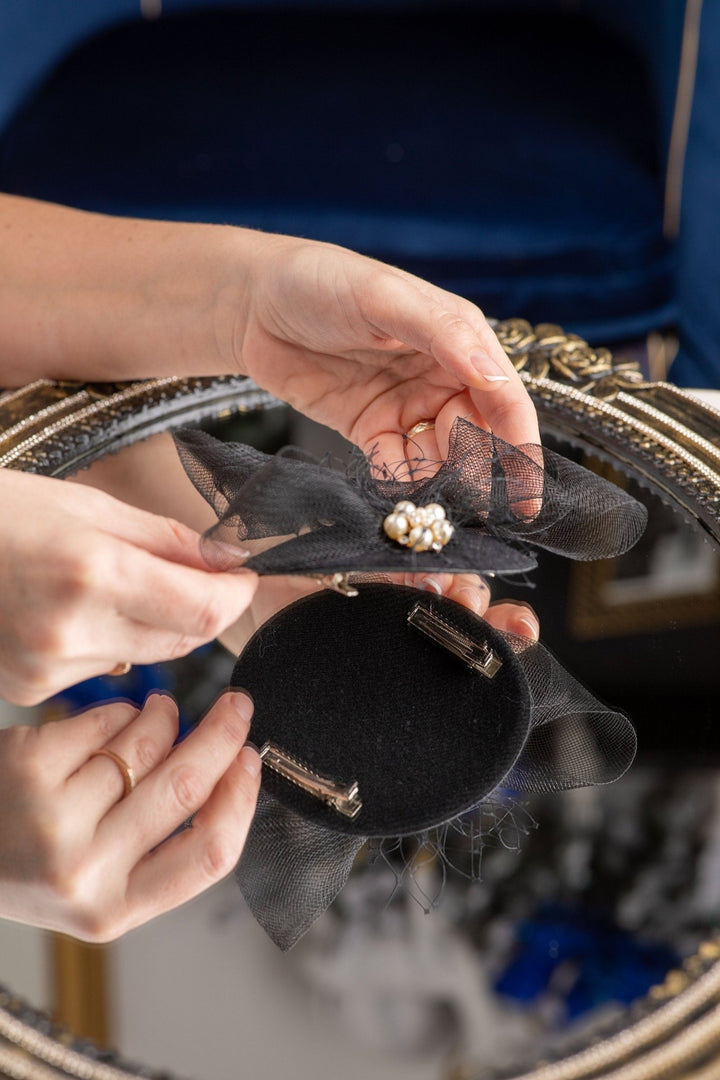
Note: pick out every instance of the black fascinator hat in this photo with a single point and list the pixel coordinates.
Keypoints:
(391, 714)
(481, 510)
(394, 714)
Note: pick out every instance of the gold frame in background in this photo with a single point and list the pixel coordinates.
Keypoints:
(653, 431)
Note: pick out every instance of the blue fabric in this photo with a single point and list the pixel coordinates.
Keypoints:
(608, 963)
(36, 34)
(516, 161)
(698, 281)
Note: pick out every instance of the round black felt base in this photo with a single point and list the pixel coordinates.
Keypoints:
(353, 691)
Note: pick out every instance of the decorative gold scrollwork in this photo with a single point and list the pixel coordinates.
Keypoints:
(546, 351)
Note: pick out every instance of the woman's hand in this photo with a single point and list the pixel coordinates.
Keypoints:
(77, 856)
(276, 592)
(365, 348)
(88, 582)
(371, 350)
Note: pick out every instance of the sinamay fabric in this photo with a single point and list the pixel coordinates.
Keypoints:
(348, 687)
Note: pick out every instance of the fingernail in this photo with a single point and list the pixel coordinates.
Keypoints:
(429, 584)
(532, 626)
(242, 705)
(221, 555)
(250, 760)
(488, 368)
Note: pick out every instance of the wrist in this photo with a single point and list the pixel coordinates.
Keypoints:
(253, 259)
(94, 297)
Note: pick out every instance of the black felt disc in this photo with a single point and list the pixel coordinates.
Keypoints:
(352, 691)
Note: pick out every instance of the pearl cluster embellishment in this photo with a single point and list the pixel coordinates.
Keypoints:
(421, 528)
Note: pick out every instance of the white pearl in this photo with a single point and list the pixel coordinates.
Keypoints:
(423, 528)
(395, 525)
(442, 531)
(414, 535)
(425, 542)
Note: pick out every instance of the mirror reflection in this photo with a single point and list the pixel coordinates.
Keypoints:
(586, 898)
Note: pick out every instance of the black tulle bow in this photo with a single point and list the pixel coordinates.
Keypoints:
(500, 500)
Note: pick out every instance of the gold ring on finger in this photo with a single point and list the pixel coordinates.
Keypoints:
(417, 429)
(127, 772)
(120, 668)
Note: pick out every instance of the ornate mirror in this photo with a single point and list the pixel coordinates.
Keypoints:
(587, 950)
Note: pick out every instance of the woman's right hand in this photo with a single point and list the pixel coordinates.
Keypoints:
(78, 856)
(88, 582)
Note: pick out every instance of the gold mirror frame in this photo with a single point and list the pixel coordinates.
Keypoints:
(661, 435)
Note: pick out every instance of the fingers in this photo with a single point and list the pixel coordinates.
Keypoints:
(68, 742)
(50, 675)
(81, 593)
(126, 606)
(514, 617)
(440, 325)
(473, 592)
(182, 784)
(420, 451)
(470, 590)
(199, 856)
(142, 744)
(162, 536)
(456, 334)
(90, 865)
(185, 601)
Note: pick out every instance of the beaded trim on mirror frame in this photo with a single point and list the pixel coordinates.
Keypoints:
(662, 433)
(659, 432)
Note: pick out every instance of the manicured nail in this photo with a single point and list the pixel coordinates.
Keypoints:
(488, 368)
(430, 585)
(242, 705)
(250, 760)
(221, 555)
(533, 627)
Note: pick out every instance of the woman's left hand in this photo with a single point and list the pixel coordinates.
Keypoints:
(471, 591)
(370, 350)
(366, 348)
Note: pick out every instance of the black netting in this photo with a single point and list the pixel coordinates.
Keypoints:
(294, 864)
(574, 740)
(287, 514)
(291, 869)
(291, 515)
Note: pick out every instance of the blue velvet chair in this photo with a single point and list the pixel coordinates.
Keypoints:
(512, 152)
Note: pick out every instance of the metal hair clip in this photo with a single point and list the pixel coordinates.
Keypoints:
(346, 800)
(339, 583)
(476, 654)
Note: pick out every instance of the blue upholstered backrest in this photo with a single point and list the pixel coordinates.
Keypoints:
(512, 152)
